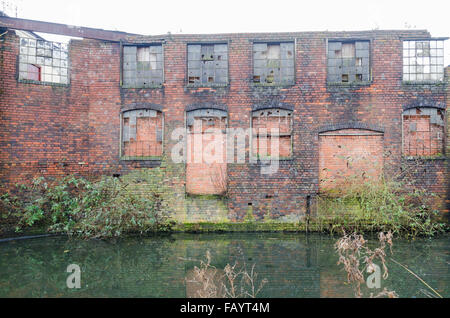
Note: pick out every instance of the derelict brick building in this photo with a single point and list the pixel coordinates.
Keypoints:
(345, 103)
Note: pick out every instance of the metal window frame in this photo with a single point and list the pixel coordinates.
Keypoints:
(274, 41)
(122, 44)
(418, 39)
(46, 83)
(354, 40)
(186, 70)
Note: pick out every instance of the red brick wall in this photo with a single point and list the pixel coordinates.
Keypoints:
(43, 129)
(447, 146)
(58, 130)
(349, 155)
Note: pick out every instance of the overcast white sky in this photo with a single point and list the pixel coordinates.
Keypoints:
(154, 17)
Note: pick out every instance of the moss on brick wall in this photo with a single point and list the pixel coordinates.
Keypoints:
(447, 103)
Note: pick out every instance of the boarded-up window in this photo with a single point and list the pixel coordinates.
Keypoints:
(207, 64)
(273, 63)
(348, 61)
(44, 61)
(269, 128)
(206, 168)
(423, 132)
(141, 134)
(423, 60)
(142, 66)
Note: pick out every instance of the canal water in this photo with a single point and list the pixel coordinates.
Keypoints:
(294, 265)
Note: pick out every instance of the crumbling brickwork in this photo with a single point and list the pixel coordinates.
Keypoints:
(54, 130)
(447, 146)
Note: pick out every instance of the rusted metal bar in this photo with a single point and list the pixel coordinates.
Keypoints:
(62, 29)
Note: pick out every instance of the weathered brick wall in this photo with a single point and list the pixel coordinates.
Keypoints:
(447, 103)
(77, 128)
(43, 128)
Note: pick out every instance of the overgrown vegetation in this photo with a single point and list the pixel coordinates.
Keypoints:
(138, 204)
(89, 209)
(391, 203)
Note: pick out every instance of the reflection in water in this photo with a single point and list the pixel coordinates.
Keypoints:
(295, 265)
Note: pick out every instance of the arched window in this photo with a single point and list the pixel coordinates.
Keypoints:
(423, 131)
(141, 134)
(269, 125)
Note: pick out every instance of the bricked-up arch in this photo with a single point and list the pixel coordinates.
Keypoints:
(206, 169)
(273, 103)
(348, 155)
(350, 125)
(135, 106)
(424, 102)
(423, 131)
(206, 105)
(263, 121)
(141, 134)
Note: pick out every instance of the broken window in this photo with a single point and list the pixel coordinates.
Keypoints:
(273, 63)
(142, 66)
(270, 126)
(43, 61)
(423, 132)
(423, 60)
(34, 72)
(141, 134)
(348, 61)
(207, 64)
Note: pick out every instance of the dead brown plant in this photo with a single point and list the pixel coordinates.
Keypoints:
(234, 281)
(357, 258)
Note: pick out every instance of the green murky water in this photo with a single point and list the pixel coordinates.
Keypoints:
(295, 265)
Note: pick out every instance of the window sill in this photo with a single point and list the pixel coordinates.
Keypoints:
(276, 85)
(155, 86)
(206, 85)
(436, 157)
(256, 160)
(147, 158)
(24, 81)
(349, 84)
(412, 83)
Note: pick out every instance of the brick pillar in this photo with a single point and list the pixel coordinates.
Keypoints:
(447, 152)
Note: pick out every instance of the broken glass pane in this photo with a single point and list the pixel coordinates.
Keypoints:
(143, 54)
(41, 56)
(348, 50)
